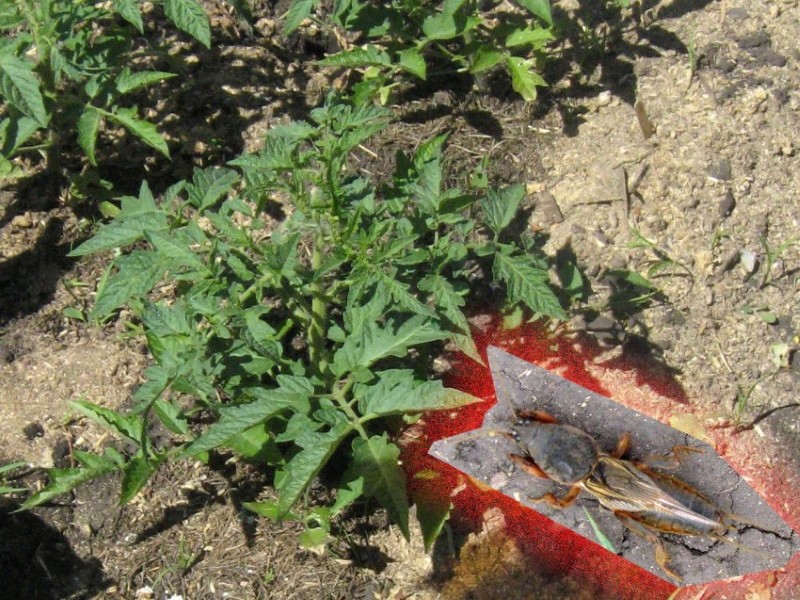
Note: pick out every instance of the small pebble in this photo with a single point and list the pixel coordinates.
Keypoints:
(770, 57)
(736, 12)
(781, 95)
(748, 260)
(794, 361)
(726, 205)
(601, 237)
(754, 40)
(730, 261)
(658, 225)
(617, 262)
(551, 213)
(33, 430)
(604, 98)
(725, 64)
(720, 170)
(673, 317)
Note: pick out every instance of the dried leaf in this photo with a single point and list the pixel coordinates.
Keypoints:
(692, 425)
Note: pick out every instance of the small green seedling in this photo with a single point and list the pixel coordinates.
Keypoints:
(772, 255)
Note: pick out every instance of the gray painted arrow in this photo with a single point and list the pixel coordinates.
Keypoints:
(765, 542)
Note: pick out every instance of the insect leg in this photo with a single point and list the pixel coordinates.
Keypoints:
(622, 446)
(534, 415)
(672, 461)
(526, 464)
(531, 468)
(662, 557)
(557, 502)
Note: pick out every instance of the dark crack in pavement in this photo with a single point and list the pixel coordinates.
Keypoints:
(764, 542)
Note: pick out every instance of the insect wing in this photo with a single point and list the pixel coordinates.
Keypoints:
(620, 486)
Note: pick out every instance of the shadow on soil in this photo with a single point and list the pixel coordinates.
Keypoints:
(38, 563)
(28, 280)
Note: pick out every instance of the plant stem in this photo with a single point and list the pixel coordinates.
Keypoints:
(356, 422)
(317, 330)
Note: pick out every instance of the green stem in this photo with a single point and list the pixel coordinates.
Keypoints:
(287, 327)
(339, 396)
(317, 330)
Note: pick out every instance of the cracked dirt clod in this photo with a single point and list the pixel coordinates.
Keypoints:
(523, 386)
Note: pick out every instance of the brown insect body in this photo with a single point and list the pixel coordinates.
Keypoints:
(646, 501)
(653, 499)
(564, 453)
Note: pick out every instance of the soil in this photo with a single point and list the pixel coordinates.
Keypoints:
(684, 133)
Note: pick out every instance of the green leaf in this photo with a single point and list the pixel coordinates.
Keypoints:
(400, 294)
(144, 203)
(540, 8)
(356, 58)
(446, 299)
(189, 16)
(209, 185)
(444, 25)
(356, 318)
(769, 317)
(136, 473)
(363, 348)
(500, 206)
(136, 275)
(427, 190)
(432, 516)
(173, 250)
(269, 509)
(170, 416)
(347, 494)
(62, 481)
(88, 126)
(633, 278)
(527, 284)
(122, 232)
(397, 391)
(256, 445)
(144, 130)
(128, 81)
(313, 538)
(376, 460)
(299, 10)
(237, 419)
(536, 37)
(72, 312)
(10, 15)
(571, 279)
(129, 426)
(485, 58)
(20, 86)
(524, 77)
(306, 464)
(156, 379)
(296, 426)
(7, 468)
(129, 10)
(449, 302)
(412, 61)
(15, 131)
(602, 538)
(9, 170)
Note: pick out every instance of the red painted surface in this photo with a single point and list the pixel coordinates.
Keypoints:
(553, 550)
